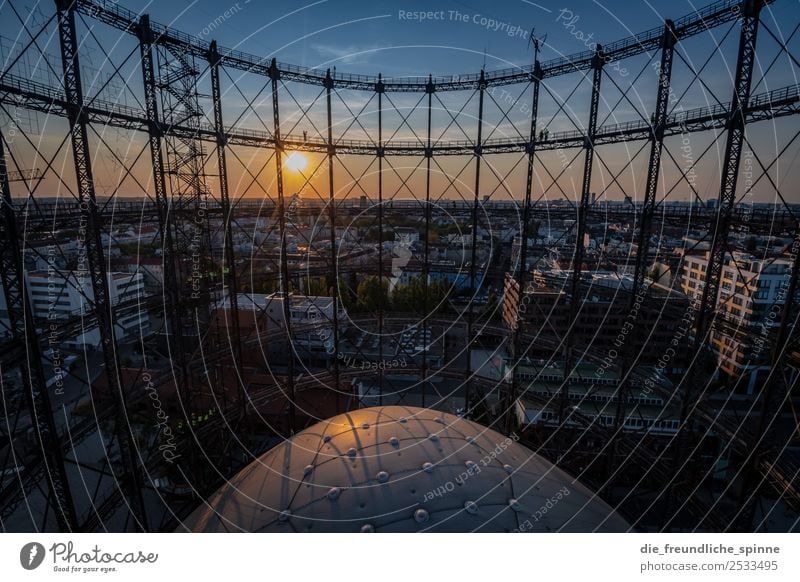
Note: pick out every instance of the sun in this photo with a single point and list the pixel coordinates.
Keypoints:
(296, 162)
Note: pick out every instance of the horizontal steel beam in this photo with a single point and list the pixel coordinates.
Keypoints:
(18, 92)
(697, 22)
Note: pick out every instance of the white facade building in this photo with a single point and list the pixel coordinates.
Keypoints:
(59, 296)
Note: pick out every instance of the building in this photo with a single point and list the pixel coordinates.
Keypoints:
(604, 320)
(269, 309)
(57, 297)
(594, 393)
(311, 319)
(752, 292)
(151, 267)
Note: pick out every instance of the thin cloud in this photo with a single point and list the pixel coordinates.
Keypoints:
(352, 54)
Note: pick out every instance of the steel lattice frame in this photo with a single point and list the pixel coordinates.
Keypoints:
(171, 119)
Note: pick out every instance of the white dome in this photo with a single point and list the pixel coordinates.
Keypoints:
(402, 469)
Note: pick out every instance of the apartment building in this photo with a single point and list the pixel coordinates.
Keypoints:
(751, 294)
(605, 319)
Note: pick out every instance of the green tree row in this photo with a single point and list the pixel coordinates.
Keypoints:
(373, 292)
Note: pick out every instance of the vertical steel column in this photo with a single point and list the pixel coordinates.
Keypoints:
(426, 268)
(773, 397)
(90, 217)
(227, 213)
(782, 338)
(730, 169)
(583, 209)
(334, 252)
(727, 195)
(638, 291)
(654, 164)
(173, 307)
(727, 199)
(275, 75)
(189, 198)
(530, 148)
(188, 217)
(478, 150)
(34, 386)
(379, 89)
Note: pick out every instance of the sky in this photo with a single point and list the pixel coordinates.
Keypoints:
(390, 37)
(444, 38)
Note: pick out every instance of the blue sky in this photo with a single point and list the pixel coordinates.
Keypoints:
(379, 36)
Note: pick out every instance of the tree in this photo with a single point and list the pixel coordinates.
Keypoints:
(438, 291)
(491, 304)
(372, 293)
(318, 287)
(348, 291)
(412, 296)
